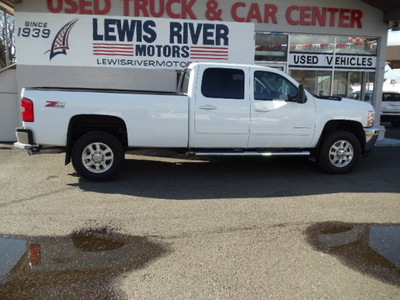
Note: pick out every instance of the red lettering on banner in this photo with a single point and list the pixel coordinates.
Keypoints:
(234, 9)
(270, 13)
(83, 7)
(141, 8)
(176, 9)
(332, 12)
(289, 13)
(305, 15)
(126, 7)
(73, 7)
(344, 20)
(105, 9)
(54, 8)
(356, 16)
(317, 16)
(254, 13)
(170, 11)
(241, 11)
(153, 12)
(187, 9)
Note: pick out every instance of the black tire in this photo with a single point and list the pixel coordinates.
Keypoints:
(339, 152)
(97, 156)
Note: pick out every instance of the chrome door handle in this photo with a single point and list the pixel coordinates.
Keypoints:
(207, 107)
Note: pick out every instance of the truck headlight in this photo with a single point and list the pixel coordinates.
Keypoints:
(371, 118)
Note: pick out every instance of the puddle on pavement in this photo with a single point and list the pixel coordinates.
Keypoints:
(82, 265)
(372, 249)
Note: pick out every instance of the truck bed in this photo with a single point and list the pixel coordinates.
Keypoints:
(97, 90)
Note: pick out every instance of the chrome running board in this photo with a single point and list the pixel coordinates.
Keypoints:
(248, 153)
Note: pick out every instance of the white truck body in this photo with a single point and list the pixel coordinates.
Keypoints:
(219, 109)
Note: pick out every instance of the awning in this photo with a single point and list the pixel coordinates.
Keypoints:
(391, 11)
(393, 56)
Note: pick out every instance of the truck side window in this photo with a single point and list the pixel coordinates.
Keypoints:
(391, 97)
(272, 86)
(223, 83)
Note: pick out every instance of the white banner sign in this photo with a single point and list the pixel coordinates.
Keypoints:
(106, 41)
(330, 61)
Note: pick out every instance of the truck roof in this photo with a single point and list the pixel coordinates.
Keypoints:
(228, 65)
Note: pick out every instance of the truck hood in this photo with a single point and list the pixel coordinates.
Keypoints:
(357, 102)
(364, 105)
(343, 109)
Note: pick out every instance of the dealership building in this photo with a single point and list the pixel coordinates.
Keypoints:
(334, 48)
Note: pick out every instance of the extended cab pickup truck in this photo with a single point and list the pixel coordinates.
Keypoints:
(218, 109)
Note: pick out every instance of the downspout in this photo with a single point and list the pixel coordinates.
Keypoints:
(7, 39)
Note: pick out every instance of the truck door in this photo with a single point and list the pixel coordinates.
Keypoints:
(221, 109)
(277, 120)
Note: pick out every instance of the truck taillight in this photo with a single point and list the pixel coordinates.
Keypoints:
(27, 110)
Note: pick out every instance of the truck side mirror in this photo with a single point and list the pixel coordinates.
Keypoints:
(301, 95)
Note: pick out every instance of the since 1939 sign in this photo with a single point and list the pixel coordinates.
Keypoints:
(106, 41)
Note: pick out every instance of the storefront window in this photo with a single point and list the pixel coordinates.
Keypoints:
(316, 82)
(340, 84)
(333, 44)
(312, 43)
(334, 65)
(271, 47)
(361, 86)
(356, 45)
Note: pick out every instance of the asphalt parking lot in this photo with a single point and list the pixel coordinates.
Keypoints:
(173, 228)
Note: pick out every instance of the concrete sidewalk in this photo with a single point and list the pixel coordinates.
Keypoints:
(388, 142)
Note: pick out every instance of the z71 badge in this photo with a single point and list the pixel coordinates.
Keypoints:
(56, 104)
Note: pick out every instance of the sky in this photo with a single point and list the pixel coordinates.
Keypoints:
(393, 40)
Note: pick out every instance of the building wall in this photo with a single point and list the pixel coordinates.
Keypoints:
(9, 109)
(342, 17)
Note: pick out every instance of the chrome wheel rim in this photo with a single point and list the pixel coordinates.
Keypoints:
(341, 153)
(97, 157)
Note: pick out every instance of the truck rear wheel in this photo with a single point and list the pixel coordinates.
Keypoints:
(339, 153)
(97, 156)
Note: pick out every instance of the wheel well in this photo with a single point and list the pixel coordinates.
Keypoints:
(82, 124)
(349, 126)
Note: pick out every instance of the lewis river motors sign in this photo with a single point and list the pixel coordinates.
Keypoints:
(107, 41)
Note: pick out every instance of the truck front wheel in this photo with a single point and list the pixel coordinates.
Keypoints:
(339, 153)
(97, 156)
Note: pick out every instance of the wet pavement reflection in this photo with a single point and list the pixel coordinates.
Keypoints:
(83, 265)
(373, 249)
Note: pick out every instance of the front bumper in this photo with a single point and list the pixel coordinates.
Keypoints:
(371, 135)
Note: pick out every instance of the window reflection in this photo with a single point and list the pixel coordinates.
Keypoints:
(271, 47)
(333, 44)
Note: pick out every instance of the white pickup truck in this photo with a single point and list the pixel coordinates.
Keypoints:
(218, 109)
